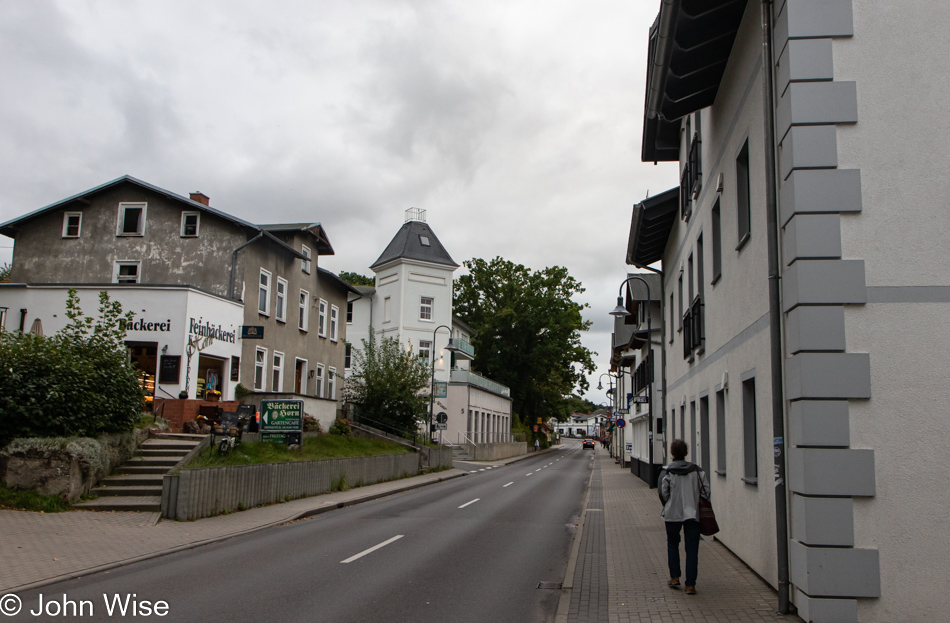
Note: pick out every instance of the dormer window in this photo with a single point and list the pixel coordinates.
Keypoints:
(424, 240)
(72, 224)
(131, 219)
(189, 224)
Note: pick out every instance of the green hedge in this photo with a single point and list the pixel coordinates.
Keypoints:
(77, 383)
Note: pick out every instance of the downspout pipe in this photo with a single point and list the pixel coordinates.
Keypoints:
(234, 259)
(775, 314)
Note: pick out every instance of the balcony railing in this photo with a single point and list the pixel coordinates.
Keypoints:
(465, 350)
(467, 376)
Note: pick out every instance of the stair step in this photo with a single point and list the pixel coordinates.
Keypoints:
(152, 453)
(146, 503)
(143, 469)
(133, 480)
(153, 461)
(179, 437)
(166, 444)
(125, 490)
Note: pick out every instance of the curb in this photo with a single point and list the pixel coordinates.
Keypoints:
(567, 586)
(195, 544)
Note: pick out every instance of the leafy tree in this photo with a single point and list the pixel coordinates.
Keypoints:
(389, 384)
(576, 404)
(77, 382)
(5, 273)
(527, 332)
(356, 279)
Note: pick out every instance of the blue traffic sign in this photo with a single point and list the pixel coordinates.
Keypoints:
(621, 423)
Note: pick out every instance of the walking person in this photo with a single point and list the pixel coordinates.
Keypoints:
(537, 444)
(681, 486)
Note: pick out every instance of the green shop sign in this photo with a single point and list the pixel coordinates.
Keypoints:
(281, 415)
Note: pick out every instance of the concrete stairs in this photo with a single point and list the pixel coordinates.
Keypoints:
(136, 485)
(460, 453)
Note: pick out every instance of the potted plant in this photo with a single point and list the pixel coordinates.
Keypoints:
(212, 395)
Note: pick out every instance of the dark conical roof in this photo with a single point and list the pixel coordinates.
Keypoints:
(409, 243)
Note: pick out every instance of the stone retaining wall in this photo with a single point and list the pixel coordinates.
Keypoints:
(495, 451)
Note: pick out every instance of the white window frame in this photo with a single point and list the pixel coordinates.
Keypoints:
(66, 217)
(265, 290)
(322, 318)
(303, 306)
(305, 264)
(260, 368)
(426, 308)
(120, 225)
(347, 355)
(117, 266)
(425, 349)
(331, 383)
(303, 375)
(349, 312)
(184, 216)
(334, 322)
(318, 384)
(280, 300)
(277, 372)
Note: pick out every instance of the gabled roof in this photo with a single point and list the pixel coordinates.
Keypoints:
(650, 227)
(409, 243)
(690, 44)
(335, 279)
(315, 229)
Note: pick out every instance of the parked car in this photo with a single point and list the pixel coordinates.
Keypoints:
(588, 443)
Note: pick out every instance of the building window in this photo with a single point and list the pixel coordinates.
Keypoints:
(425, 349)
(300, 376)
(349, 312)
(319, 380)
(131, 219)
(347, 355)
(749, 435)
(424, 241)
(277, 373)
(189, 224)
(716, 242)
(263, 296)
(679, 300)
(743, 205)
(672, 317)
(305, 264)
(331, 383)
(425, 308)
(387, 309)
(303, 320)
(280, 308)
(721, 432)
(260, 360)
(322, 319)
(126, 271)
(334, 321)
(72, 224)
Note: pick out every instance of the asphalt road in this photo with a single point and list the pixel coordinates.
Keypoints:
(472, 549)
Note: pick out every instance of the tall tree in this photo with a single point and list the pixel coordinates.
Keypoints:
(528, 331)
(356, 279)
(390, 384)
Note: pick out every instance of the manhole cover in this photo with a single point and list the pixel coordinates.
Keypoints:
(554, 585)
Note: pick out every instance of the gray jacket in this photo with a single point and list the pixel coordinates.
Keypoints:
(680, 487)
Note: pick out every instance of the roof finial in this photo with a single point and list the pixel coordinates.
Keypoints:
(416, 214)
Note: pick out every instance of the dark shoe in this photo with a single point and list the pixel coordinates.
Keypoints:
(673, 582)
(690, 590)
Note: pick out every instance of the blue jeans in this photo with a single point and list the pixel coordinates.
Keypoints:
(691, 532)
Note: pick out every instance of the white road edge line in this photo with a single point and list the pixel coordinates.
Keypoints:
(372, 549)
(468, 503)
(509, 484)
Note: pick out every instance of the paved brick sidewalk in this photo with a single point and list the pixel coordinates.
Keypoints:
(633, 546)
(38, 548)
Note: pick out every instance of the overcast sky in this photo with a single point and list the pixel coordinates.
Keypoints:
(516, 124)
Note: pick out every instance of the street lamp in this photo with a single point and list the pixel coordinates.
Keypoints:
(620, 311)
(451, 348)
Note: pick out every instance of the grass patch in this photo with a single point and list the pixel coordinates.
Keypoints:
(314, 448)
(17, 499)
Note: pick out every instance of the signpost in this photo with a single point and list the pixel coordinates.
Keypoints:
(282, 421)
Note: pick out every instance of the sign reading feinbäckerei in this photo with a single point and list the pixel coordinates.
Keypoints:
(281, 415)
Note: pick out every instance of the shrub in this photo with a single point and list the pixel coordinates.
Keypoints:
(341, 427)
(311, 424)
(78, 382)
(241, 392)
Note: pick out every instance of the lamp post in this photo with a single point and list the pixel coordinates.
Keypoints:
(621, 311)
(613, 400)
(451, 348)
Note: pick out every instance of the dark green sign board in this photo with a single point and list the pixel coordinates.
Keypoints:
(281, 416)
(293, 437)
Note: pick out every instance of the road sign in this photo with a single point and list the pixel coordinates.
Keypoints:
(440, 426)
(281, 415)
(441, 417)
(623, 411)
(640, 400)
(621, 423)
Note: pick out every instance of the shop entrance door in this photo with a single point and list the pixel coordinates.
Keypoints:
(144, 356)
(211, 377)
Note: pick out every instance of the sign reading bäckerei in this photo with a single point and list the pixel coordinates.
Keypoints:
(205, 329)
(140, 324)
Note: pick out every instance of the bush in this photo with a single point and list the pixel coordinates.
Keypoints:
(311, 424)
(78, 382)
(341, 427)
(241, 392)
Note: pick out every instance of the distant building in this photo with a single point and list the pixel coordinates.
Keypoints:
(412, 303)
(217, 300)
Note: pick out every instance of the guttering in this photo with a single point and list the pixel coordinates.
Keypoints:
(775, 314)
(662, 51)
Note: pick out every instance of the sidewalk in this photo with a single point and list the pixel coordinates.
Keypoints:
(42, 548)
(618, 571)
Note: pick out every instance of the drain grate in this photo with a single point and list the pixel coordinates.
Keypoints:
(554, 585)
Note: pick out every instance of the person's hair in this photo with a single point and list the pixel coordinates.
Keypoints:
(679, 449)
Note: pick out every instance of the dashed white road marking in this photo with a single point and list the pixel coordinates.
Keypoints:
(528, 474)
(468, 503)
(371, 550)
(508, 485)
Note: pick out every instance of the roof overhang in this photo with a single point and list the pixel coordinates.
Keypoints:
(650, 227)
(690, 43)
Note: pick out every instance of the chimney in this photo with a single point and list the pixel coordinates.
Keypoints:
(200, 197)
